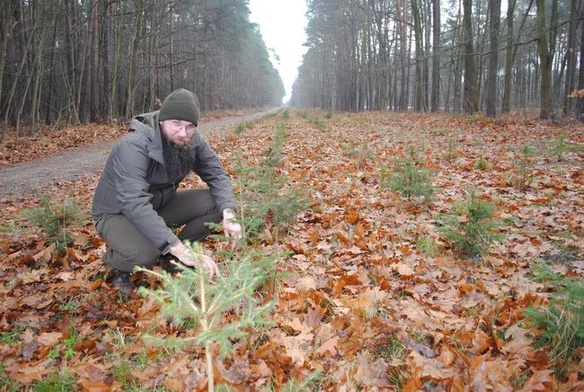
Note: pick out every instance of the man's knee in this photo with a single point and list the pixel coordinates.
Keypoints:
(146, 258)
(128, 259)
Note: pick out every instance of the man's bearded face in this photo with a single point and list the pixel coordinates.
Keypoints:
(177, 149)
(179, 132)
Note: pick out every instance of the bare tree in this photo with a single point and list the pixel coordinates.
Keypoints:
(6, 32)
(495, 21)
(546, 40)
(420, 103)
(436, 41)
(579, 110)
(471, 98)
(571, 54)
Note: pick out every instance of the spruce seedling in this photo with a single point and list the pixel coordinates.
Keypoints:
(470, 226)
(242, 126)
(266, 198)
(523, 164)
(55, 220)
(560, 146)
(192, 296)
(481, 163)
(450, 153)
(409, 179)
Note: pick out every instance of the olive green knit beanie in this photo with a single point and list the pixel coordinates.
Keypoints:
(181, 104)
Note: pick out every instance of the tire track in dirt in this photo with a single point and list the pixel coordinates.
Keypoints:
(26, 178)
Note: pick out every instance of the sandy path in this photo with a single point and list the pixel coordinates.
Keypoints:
(30, 177)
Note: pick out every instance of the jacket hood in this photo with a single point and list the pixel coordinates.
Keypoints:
(147, 125)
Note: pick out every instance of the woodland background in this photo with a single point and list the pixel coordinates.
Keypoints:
(70, 62)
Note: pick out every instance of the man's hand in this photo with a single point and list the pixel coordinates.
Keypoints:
(188, 258)
(230, 226)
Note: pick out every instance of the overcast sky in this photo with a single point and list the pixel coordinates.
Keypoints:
(282, 24)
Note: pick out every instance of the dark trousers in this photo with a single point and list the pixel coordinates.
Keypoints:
(128, 248)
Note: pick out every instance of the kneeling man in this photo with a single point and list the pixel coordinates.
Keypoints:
(137, 197)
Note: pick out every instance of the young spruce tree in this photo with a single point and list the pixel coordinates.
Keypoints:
(191, 297)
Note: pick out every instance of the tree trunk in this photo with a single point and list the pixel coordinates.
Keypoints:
(509, 58)
(6, 36)
(436, 30)
(418, 38)
(471, 99)
(495, 21)
(52, 66)
(117, 58)
(403, 45)
(107, 60)
(580, 100)
(25, 41)
(546, 39)
(570, 81)
(41, 30)
(171, 53)
(456, 65)
(133, 55)
(71, 76)
(94, 56)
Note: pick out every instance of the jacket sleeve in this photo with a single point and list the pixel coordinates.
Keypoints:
(208, 166)
(130, 165)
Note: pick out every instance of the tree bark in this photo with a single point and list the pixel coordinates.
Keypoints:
(6, 30)
(94, 56)
(71, 73)
(133, 56)
(545, 49)
(436, 31)
(471, 99)
(580, 100)
(419, 93)
(495, 21)
(570, 81)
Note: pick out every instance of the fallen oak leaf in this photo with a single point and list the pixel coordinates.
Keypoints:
(541, 380)
(67, 285)
(37, 301)
(46, 254)
(27, 372)
(517, 340)
(49, 338)
(429, 369)
(446, 357)
(261, 370)
(29, 349)
(92, 386)
(573, 384)
(352, 215)
(92, 373)
(330, 347)
(298, 347)
(294, 325)
(404, 270)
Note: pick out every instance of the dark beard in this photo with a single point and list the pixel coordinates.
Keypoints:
(179, 160)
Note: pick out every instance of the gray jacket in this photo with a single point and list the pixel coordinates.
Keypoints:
(135, 182)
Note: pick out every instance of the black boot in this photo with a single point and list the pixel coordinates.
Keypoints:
(121, 281)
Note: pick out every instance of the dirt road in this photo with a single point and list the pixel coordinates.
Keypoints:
(29, 177)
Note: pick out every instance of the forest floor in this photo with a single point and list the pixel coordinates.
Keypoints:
(372, 294)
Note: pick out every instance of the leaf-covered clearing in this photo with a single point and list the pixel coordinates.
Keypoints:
(372, 295)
